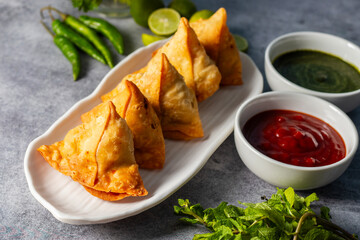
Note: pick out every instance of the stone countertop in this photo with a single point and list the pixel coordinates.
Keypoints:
(37, 88)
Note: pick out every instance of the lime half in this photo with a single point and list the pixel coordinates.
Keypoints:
(148, 39)
(164, 21)
(241, 43)
(202, 14)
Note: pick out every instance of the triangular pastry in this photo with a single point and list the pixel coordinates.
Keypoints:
(220, 45)
(145, 125)
(99, 154)
(188, 56)
(173, 101)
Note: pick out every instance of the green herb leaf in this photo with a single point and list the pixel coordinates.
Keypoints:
(189, 220)
(318, 233)
(86, 5)
(268, 233)
(223, 233)
(325, 213)
(290, 196)
(311, 198)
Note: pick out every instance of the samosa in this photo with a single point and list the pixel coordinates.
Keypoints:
(188, 56)
(145, 125)
(99, 154)
(172, 100)
(220, 45)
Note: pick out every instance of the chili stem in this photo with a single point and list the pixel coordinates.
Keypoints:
(47, 28)
(49, 8)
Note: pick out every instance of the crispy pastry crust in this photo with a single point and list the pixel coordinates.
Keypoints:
(220, 45)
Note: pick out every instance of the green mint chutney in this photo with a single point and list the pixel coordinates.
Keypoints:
(318, 71)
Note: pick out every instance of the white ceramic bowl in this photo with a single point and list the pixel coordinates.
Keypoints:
(286, 175)
(334, 45)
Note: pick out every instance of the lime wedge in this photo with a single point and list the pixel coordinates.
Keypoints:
(202, 14)
(147, 38)
(164, 21)
(241, 43)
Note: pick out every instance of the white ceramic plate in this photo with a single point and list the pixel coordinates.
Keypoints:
(69, 202)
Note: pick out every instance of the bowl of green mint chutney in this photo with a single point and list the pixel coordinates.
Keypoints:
(317, 64)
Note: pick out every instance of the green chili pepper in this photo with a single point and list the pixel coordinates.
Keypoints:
(69, 51)
(107, 29)
(64, 30)
(85, 31)
(91, 36)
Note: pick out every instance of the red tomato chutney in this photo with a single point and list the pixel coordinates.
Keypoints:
(294, 138)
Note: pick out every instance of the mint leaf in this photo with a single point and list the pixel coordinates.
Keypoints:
(219, 212)
(202, 236)
(306, 226)
(237, 237)
(318, 233)
(285, 237)
(233, 211)
(290, 196)
(189, 220)
(198, 210)
(223, 233)
(275, 217)
(183, 203)
(268, 233)
(237, 225)
(195, 211)
(311, 198)
(264, 210)
(325, 213)
(290, 227)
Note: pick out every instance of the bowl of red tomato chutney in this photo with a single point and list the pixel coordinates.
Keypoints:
(294, 140)
(315, 63)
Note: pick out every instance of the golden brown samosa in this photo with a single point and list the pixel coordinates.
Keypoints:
(145, 125)
(188, 56)
(220, 45)
(173, 101)
(99, 154)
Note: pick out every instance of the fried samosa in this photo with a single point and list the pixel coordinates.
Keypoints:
(99, 154)
(145, 125)
(188, 56)
(172, 100)
(220, 45)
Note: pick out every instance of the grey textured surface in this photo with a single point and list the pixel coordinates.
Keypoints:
(37, 88)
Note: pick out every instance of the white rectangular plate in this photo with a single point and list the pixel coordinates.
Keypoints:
(70, 203)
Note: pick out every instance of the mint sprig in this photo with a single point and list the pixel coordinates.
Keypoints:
(285, 216)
